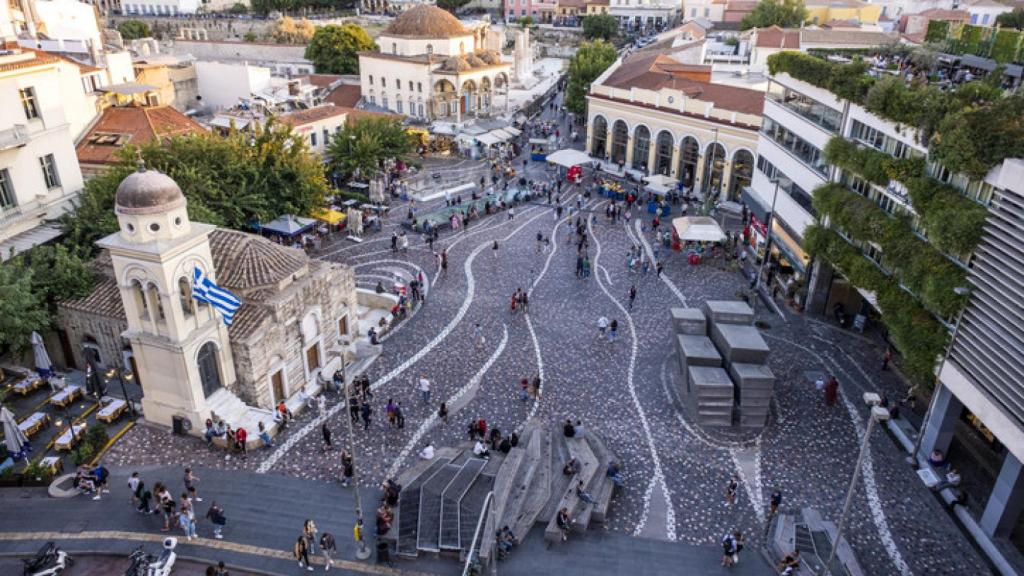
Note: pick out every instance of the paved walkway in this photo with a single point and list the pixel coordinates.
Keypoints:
(265, 514)
(675, 474)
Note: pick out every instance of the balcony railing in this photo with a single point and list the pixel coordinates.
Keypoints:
(14, 137)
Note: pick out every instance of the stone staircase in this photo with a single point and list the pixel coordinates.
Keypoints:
(442, 500)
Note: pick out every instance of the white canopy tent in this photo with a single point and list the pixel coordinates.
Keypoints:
(660, 184)
(488, 139)
(698, 229)
(569, 158)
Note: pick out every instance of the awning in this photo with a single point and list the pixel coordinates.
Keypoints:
(487, 139)
(227, 121)
(28, 239)
(544, 141)
(288, 225)
(329, 216)
(698, 229)
(661, 184)
(978, 62)
(512, 130)
(501, 134)
(569, 158)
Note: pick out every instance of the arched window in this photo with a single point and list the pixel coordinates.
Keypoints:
(412, 107)
(410, 85)
(419, 86)
(384, 100)
(139, 297)
(155, 297)
(398, 84)
(185, 297)
(394, 48)
(371, 79)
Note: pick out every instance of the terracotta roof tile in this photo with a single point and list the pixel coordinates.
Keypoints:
(308, 116)
(104, 300)
(39, 59)
(776, 37)
(323, 80)
(347, 95)
(246, 262)
(249, 319)
(134, 124)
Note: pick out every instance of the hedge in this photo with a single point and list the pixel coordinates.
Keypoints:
(872, 165)
(938, 30)
(971, 39)
(1005, 46)
(954, 223)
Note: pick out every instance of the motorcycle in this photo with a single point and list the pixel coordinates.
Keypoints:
(49, 561)
(145, 564)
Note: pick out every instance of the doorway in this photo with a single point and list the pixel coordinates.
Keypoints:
(277, 386)
(209, 371)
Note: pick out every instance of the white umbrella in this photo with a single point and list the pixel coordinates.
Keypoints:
(14, 438)
(569, 158)
(43, 364)
(698, 228)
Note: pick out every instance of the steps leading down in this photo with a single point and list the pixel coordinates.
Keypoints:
(428, 537)
(409, 506)
(451, 500)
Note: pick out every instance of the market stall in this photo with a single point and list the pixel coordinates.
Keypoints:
(611, 188)
(332, 218)
(697, 233)
(540, 148)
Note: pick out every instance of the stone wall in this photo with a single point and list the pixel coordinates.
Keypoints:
(83, 327)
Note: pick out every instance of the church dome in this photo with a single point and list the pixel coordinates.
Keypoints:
(456, 64)
(148, 192)
(426, 21)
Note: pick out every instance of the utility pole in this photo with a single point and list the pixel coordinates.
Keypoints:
(363, 552)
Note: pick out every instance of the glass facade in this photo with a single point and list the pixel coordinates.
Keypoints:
(828, 118)
(803, 150)
(798, 194)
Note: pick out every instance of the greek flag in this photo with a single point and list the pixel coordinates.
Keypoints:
(204, 290)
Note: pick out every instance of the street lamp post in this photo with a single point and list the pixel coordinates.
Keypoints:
(960, 291)
(878, 414)
(121, 377)
(362, 552)
(768, 233)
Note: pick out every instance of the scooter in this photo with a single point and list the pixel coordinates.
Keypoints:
(140, 561)
(162, 566)
(49, 561)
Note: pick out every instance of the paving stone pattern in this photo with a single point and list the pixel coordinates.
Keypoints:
(807, 451)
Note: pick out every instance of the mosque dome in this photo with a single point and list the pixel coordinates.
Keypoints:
(148, 192)
(426, 21)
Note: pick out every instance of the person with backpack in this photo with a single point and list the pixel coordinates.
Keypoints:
(328, 548)
(216, 516)
(301, 552)
(728, 550)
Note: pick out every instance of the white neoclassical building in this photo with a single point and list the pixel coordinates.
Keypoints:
(656, 115)
(431, 66)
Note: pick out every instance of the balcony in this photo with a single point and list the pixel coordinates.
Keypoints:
(14, 137)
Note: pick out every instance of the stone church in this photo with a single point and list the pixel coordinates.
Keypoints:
(141, 314)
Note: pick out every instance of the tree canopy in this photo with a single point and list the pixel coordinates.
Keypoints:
(334, 49)
(362, 147)
(603, 26)
(591, 59)
(289, 31)
(229, 181)
(784, 13)
(1013, 19)
(451, 5)
(134, 29)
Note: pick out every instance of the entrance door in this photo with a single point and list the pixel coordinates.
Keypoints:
(277, 385)
(312, 358)
(209, 372)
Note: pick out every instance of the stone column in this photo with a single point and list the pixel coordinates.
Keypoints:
(698, 176)
(590, 138)
(652, 156)
(938, 430)
(673, 170)
(726, 176)
(608, 143)
(629, 152)
(458, 107)
(1007, 499)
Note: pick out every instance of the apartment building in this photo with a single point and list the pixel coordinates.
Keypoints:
(646, 15)
(934, 254)
(39, 173)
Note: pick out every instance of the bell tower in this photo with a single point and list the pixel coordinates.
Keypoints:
(181, 346)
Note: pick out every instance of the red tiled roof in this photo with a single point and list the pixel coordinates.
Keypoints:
(301, 117)
(39, 59)
(346, 95)
(776, 37)
(654, 71)
(948, 15)
(322, 80)
(134, 124)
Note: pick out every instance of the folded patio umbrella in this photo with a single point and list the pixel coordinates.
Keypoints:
(14, 439)
(43, 365)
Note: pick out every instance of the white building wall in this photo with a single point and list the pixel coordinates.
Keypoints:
(69, 20)
(385, 73)
(160, 7)
(222, 85)
(319, 134)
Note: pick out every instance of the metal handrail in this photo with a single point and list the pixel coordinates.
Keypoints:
(476, 533)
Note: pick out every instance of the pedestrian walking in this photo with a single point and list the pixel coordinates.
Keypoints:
(831, 391)
(659, 268)
(325, 431)
(347, 468)
(424, 388)
(321, 406)
(328, 547)
(730, 490)
(602, 326)
(389, 410)
(494, 248)
(309, 531)
(442, 412)
(632, 295)
(190, 485)
(886, 359)
(613, 330)
(776, 499)
(301, 551)
(524, 392)
(216, 517)
(365, 411)
(145, 497)
(133, 488)
(478, 336)
(187, 521)
(357, 532)
(728, 549)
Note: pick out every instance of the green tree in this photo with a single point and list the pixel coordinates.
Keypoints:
(335, 49)
(361, 148)
(1013, 19)
(526, 21)
(229, 181)
(785, 13)
(451, 5)
(22, 309)
(589, 62)
(58, 272)
(134, 29)
(250, 36)
(603, 26)
(238, 8)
